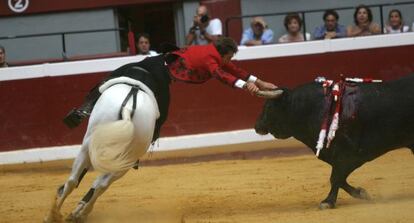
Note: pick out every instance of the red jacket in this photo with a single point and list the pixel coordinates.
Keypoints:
(198, 64)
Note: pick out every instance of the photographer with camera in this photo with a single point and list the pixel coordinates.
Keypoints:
(204, 30)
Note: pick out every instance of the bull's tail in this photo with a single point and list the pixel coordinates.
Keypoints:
(110, 147)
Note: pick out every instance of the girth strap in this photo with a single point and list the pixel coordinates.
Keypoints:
(133, 92)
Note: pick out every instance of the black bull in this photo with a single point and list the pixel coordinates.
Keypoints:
(376, 118)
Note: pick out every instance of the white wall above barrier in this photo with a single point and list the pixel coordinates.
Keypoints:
(245, 53)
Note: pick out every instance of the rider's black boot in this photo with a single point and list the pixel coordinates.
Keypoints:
(75, 116)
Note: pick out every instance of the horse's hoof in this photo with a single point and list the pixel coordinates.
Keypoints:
(363, 194)
(74, 219)
(70, 218)
(53, 216)
(53, 219)
(326, 205)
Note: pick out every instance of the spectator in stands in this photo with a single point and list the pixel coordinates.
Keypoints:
(143, 45)
(3, 62)
(293, 25)
(331, 29)
(395, 23)
(363, 23)
(204, 30)
(257, 34)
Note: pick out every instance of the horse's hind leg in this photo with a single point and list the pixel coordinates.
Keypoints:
(85, 206)
(79, 168)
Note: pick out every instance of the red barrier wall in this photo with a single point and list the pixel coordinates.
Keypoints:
(32, 109)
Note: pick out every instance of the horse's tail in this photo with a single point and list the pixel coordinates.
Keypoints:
(109, 148)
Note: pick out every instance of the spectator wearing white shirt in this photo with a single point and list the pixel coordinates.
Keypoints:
(144, 45)
(204, 30)
(395, 23)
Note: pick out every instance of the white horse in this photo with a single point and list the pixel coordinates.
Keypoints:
(117, 136)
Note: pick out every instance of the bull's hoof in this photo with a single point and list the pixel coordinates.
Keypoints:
(363, 194)
(326, 205)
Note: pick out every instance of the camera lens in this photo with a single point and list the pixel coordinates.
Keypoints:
(204, 18)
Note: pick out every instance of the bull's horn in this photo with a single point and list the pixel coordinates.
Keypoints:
(272, 94)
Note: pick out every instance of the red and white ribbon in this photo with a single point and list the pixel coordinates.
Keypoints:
(337, 92)
(362, 80)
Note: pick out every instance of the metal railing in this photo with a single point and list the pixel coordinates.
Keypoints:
(302, 13)
(63, 36)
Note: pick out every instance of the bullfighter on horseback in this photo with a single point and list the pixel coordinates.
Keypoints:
(131, 110)
(195, 64)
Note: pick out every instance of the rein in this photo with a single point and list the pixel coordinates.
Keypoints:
(331, 118)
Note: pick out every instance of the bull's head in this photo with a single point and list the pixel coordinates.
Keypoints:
(274, 116)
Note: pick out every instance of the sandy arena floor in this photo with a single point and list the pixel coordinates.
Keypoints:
(269, 189)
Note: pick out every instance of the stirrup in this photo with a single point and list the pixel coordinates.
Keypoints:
(75, 117)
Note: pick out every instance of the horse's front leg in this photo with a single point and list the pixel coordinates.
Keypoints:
(79, 169)
(85, 206)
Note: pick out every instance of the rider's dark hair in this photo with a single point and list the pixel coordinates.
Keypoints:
(225, 44)
(2, 48)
